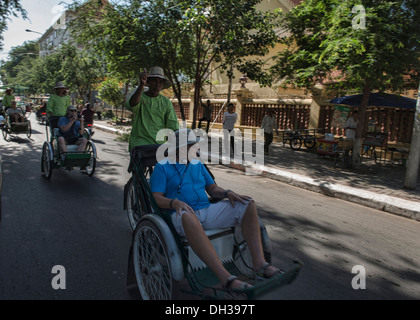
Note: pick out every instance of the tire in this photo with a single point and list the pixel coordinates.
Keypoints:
(90, 169)
(4, 130)
(152, 266)
(47, 162)
(309, 143)
(133, 205)
(29, 132)
(242, 256)
(295, 143)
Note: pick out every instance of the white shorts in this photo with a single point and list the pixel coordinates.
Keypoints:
(218, 215)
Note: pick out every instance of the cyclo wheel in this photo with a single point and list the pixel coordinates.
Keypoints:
(29, 131)
(4, 130)
(295, 143)
(47, 162)
(152, 266)
(242, 258)
(90, 168)
(131, 203)
(309, 143)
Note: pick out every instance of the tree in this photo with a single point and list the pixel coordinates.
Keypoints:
(225, 34)
(358, 48)
(111, 92)
(9, 8)
(184, 37)
(21, 58)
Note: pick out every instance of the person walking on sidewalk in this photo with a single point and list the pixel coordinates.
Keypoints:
(269, 124)
(57, 104)
(97, 107)
(208, 109)
(229, 119)
(351, 125)
(153, 111)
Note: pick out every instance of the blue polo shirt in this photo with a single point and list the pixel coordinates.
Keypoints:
(73, 132)
(182, 182)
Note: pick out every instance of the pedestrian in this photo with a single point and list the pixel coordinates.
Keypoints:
(351, 125)
(152, 110)
(184, 189)
(8, 98)
(57, 104)
(207, 111)
(269, 124)
(229, 119)
(97, 107)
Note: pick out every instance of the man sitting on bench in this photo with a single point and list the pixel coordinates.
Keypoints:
(71, 131)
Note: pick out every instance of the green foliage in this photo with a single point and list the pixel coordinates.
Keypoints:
(21, 59)
(110, 91)
(9, 8)
(323, 44)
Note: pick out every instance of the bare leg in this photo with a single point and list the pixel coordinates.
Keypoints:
(62, 145)
(252, 234)
(82, 144)
(202, 246)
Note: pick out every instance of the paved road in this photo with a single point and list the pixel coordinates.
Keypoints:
(78, 222)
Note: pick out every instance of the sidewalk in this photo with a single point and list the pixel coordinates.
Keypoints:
(377, 186)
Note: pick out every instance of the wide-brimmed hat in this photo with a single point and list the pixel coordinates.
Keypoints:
(71, 107)
(182, 138)
(157, 72)
(60, 85)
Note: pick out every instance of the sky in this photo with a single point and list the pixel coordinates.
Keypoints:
(41, 13)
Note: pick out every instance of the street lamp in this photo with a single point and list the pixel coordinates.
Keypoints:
(27, 30)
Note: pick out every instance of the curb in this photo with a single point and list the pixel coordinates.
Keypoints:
(401, 207)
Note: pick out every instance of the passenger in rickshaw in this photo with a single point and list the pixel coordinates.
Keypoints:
(57, 104)
(71, 131)
(15, 114)
(182, 186)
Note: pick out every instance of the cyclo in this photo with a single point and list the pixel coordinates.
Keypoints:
(51, 158)
(10, 127)
(161, 261)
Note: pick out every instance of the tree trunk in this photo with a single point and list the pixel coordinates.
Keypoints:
(357, 145)
(197, 93)
(413, 163)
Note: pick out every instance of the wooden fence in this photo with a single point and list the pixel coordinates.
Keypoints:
(397, 123)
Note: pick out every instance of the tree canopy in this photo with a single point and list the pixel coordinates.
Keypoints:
(9, 8)
(354, 48)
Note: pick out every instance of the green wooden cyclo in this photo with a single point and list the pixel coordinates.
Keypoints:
(161, 262)
(51, 158)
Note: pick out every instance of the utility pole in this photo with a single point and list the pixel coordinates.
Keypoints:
(413, 163)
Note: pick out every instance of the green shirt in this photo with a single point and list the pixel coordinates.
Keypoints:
(57, 105)
(150, 116)
(7, 100)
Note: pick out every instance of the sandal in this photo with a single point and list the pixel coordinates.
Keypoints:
(231, 280)
(262, 273)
